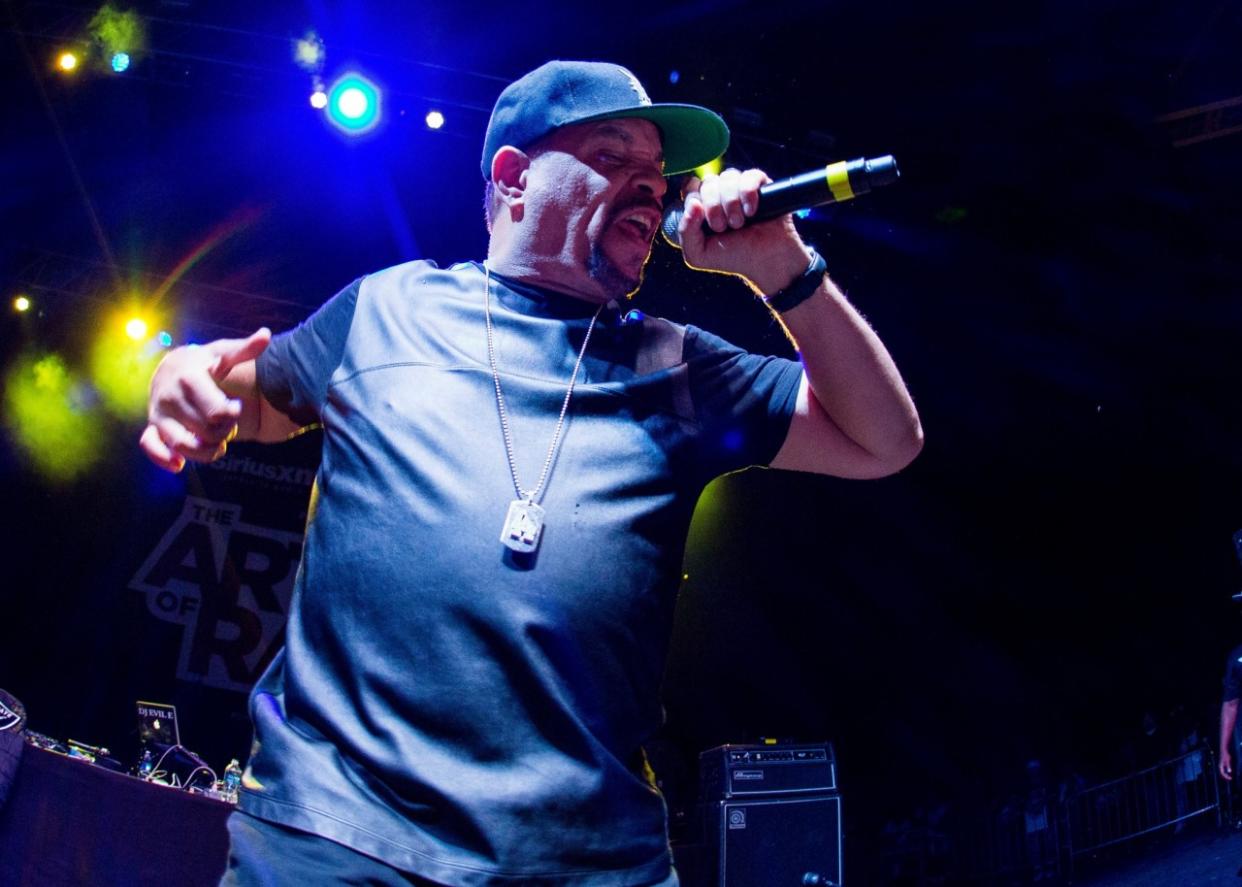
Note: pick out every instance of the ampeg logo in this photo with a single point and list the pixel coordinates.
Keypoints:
(229, 584)
(737, 818)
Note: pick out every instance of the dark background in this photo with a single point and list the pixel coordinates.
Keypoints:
(1057, 274)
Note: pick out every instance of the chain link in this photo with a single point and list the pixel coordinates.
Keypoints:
(533, 495)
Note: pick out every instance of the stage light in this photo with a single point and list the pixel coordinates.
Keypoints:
(434, 120)
(120, 33)
(136, 328)
(165, 340)
(49, 416)
(67, 61)
(319, 99)
(354, 104)
(121, 367)
(21, 304)
(712, 167)
(674, 76)
(308, 52)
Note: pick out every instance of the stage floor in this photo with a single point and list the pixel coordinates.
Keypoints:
(1208, 855)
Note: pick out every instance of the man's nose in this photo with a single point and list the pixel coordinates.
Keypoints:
(651, 179)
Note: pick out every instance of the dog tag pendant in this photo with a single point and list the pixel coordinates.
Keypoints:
(523, 526)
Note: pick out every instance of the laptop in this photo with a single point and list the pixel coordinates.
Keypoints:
(157, 723)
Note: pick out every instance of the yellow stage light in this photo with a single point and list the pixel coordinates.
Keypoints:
(21, 304)
(48, 413)
(118, 31)
(121, 368)
(136, 328)
(712, 167)
(67, 61)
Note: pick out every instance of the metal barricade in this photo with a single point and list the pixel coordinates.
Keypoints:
(1161, 796)
(1039, 838)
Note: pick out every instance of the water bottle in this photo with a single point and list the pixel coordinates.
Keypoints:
(232, 781)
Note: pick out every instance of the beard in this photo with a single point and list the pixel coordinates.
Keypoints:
(616, 283)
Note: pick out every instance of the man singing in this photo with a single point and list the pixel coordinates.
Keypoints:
(509, 469)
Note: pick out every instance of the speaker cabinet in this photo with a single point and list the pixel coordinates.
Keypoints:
(774, 842)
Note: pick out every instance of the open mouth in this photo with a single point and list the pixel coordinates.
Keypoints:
(641, 223)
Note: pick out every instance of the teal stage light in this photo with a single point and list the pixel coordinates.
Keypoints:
(354, 104)
(120, 62)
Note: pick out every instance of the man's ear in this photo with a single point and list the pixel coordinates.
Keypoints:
(510, 167)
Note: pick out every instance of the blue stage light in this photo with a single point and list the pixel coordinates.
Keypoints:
(354, 104)
(120, 61)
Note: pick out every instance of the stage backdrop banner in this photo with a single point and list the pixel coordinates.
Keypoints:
(223, 570)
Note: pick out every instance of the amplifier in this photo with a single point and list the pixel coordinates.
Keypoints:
(733, 771)
(765, 842)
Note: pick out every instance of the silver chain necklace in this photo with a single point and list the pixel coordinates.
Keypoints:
(524, 521)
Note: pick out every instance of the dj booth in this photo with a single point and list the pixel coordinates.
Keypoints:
(69, 822)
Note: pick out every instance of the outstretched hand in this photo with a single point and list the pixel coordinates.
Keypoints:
(189, 415)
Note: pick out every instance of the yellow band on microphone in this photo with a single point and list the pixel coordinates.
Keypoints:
(839, 181)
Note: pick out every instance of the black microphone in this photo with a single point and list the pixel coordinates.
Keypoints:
(832, 184)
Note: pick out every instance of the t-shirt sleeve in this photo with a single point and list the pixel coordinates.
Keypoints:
(295, 370)
(744, 402)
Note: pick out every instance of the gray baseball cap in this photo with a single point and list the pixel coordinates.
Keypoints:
(559, 93)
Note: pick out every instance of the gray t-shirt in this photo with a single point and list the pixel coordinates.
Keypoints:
(459, 713)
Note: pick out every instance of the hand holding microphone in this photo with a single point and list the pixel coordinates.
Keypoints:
(831, 184)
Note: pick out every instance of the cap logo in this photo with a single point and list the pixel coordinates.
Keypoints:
(643, 98)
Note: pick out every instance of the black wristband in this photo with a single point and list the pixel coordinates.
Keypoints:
(802, 288)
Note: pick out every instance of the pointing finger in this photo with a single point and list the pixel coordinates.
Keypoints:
(230, 352)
